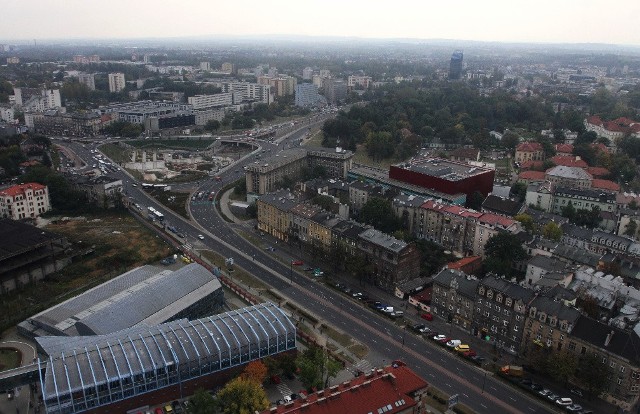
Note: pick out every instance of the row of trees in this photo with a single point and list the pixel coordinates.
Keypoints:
(586, 370)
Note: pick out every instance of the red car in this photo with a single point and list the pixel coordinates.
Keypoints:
(470, 353)
(159, 410)
(275, 379)
(297, 262)
(427, 316)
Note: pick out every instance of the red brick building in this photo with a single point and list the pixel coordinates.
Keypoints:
(445, 176)
(395, 389)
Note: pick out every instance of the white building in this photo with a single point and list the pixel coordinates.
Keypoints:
(307, 73)
(210, 101)
(87, 79)
(37, 100)
(205, 66)
(359, 81)
(6, 114)
(24, 201)
(116, 82)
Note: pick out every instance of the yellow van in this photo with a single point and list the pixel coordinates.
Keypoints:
(462, 348)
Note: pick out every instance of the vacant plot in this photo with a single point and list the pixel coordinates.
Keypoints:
(110, 244)
(9, 358)
(116, 153)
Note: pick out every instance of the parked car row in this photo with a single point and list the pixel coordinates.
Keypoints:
(457, 346)
(373, 303)
(544, 393)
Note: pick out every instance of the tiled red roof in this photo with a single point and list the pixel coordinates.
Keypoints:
(29, 163)
(617, 125)
(605, 185)
(532, 175)
(598, 171)
(389, 388)
(20, 188)
(564, 148)
(496, 219)
(598, 146)
(529, 146)
(569, 161)
(461, 211)
(463, 262)
(527, 165)
(594, 120)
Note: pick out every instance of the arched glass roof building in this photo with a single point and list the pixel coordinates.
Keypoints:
(87, 372)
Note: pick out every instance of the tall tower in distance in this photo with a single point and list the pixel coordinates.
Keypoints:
(116, 82)
(455, 67)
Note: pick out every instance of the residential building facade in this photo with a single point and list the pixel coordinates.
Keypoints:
(24, 201)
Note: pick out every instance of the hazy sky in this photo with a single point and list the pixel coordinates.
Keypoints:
(572, 21)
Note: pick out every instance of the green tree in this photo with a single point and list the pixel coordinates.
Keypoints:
(201, 402)
(518, 191)
(212, 125)
(316, 367)
(509, 140)
(501, 252)
(475, 201)
(64, 198)
(588, 218)
(569, 211)
(242, 396)
(526, 221)
(552, 231)
(631, 228)
(379, 213)
(380, 145)
(324, 201)
(593, 374)
(562, 366)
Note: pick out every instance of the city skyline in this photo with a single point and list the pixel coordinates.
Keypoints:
(589, 21)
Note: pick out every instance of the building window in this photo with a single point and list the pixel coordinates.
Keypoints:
(572, 346)
(622, 369)
(612, 364)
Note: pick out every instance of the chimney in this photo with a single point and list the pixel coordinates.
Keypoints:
(608, 339)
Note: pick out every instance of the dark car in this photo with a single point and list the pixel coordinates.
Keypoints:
(417, 327)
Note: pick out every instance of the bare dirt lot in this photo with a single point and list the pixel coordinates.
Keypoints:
(111, 243)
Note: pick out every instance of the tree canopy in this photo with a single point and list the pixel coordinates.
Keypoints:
(242, 396)
(201, 402)
(502, 251)
(379, 213)
(316, 367)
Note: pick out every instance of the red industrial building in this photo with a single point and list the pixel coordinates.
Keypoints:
(446, 176)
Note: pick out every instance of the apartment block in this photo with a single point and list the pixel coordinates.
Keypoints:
(24, 201)
(116, 82)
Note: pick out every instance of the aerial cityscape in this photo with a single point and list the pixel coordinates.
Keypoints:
(319, 208)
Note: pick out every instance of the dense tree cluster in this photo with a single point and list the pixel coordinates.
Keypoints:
(398, 123)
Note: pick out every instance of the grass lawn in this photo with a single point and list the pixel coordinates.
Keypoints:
(116, 153)
(9, 358)
(172, 200)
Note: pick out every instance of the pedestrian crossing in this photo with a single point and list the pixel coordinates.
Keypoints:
(362, 366)
(284, 389)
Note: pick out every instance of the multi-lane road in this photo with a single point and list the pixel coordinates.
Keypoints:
(475, 388)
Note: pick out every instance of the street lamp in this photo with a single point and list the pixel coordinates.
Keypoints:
(291, 272)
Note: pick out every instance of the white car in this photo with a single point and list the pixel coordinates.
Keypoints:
(565, 402)
(200, 236)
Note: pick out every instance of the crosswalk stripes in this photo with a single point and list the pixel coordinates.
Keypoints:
(362, 366)
(284, 389)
